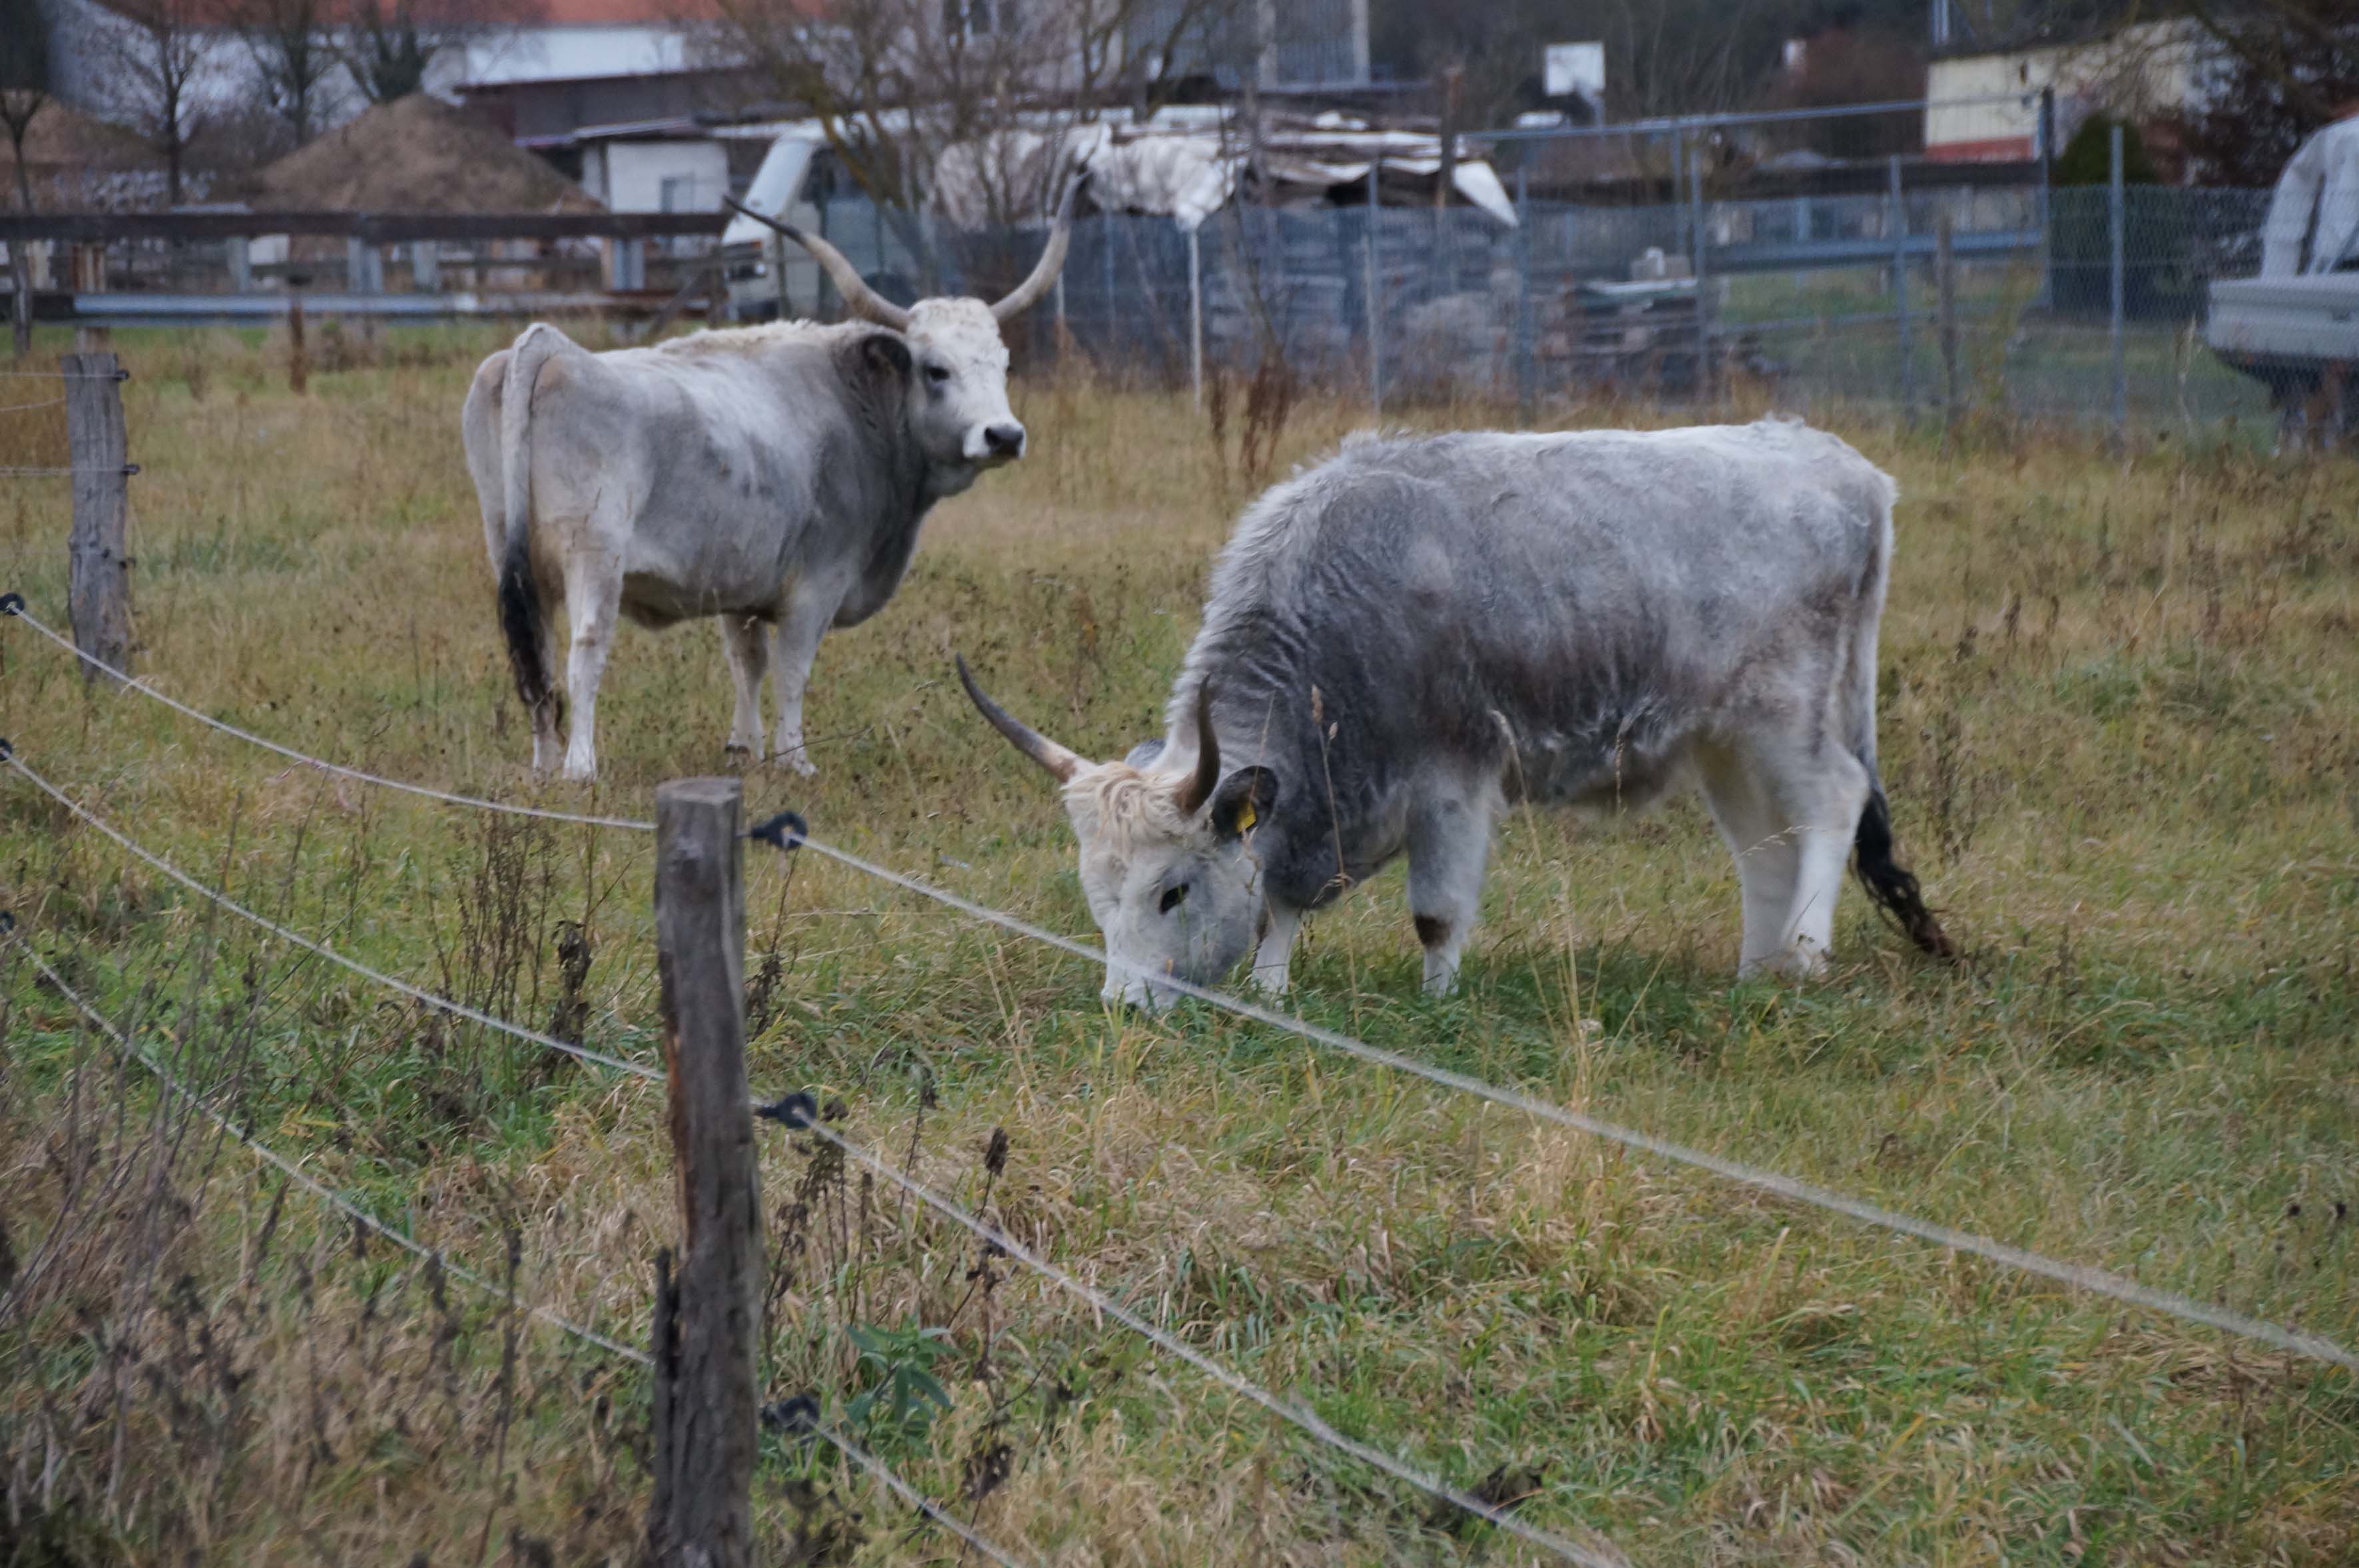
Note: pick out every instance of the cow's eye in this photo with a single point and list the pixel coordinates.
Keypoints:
(1174, 897)
(938, 374)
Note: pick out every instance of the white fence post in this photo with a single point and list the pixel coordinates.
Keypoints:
(1196, 317)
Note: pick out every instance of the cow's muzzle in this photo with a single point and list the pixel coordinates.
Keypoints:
(1002, 442)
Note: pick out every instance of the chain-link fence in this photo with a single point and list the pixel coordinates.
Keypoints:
(1806, 299)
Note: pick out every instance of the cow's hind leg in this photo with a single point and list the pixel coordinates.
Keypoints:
(1788, 814)
(594, 597)
(746, 642)
(1449, 847)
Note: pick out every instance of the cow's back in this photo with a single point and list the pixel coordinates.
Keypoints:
(1575, 608)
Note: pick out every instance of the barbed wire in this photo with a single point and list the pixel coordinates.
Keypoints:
(441, 1004)
(2097, 1281)
(296, 1173)
(2083, 1277)
(877, 1468)
(24, 407)
(13, 605)
(65, 374)
(126, 470)
(1235, 1382)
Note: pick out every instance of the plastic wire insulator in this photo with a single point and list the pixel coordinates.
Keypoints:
(794, 1112)
(785, 831)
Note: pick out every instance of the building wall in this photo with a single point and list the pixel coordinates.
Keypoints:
(658, 176)
(2152, 68)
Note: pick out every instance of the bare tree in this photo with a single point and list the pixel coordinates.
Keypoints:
(391, 46)
(159, 53)
(293, 55)
(23, 94)
(898, 83)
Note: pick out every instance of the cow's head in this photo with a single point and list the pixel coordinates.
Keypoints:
(1167, 862)
(958, 371)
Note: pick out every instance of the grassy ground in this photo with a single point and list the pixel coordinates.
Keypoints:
(2116, 731)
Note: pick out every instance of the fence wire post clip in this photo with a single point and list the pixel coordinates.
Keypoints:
(785, 831)
(6, 750)
(7, 923)
(129, 469)
(798, 1414)
(794, 1112)
(12, 604)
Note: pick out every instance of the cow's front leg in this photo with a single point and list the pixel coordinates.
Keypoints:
(810, 610)
(746, 643)
(1449, 846)
(594, 593)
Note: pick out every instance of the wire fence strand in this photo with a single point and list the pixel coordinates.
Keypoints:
(2082, 1277)
(58, 401)
(441, 1004)
(2096, 1281)
(1235, 1382)
(875, 1467)
(15, 608)
(295, 1173)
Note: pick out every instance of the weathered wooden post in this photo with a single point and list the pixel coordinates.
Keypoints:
(298, 367)
(100, 600)
(708, 1311)
(1945, 283)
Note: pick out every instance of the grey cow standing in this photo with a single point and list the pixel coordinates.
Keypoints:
(772, 476)
(1406, 639)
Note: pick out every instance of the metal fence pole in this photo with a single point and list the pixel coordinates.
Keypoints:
(1375, 316)
(1196, 317)
(2047, 134)
(1900, 221)
(708, 1316)
(1706, 378)
(99, 600)
(1107, 347)
(2117, 217)
(1945, 282)
(1527, 377)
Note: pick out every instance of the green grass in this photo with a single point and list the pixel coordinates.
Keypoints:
(2116, 700)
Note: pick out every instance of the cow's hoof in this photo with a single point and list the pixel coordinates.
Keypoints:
(580, 773)
(795, 762)
(738, 751)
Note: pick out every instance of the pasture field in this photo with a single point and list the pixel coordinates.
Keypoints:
(2118, 732)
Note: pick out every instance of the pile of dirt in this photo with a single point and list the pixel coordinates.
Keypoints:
(416, 154)
(66, 141)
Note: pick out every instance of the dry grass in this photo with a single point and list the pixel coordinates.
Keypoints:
(2116, 732)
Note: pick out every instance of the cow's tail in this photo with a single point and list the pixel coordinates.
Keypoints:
(1892, 887)
(523, 620)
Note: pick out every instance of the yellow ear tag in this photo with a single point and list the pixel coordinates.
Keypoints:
(1245, 816)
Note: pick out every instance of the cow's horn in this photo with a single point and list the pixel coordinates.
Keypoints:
(1208, 757)
(1052, 261)
(858, 298)
(1062, 764)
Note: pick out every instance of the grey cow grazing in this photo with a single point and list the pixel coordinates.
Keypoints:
(1406, 639)
(774, 477)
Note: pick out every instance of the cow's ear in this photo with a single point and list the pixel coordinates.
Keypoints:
(885, 358)
(1244, 800)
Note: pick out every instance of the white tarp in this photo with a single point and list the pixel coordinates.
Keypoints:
(1189, 170)
(2321, 184)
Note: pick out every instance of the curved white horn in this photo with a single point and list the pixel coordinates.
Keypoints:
(1052, 260)
(858, 298)
(1208, 757)
(1062, 764)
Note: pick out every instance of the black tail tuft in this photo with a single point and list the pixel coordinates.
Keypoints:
(1894, 889)
(520, 620)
